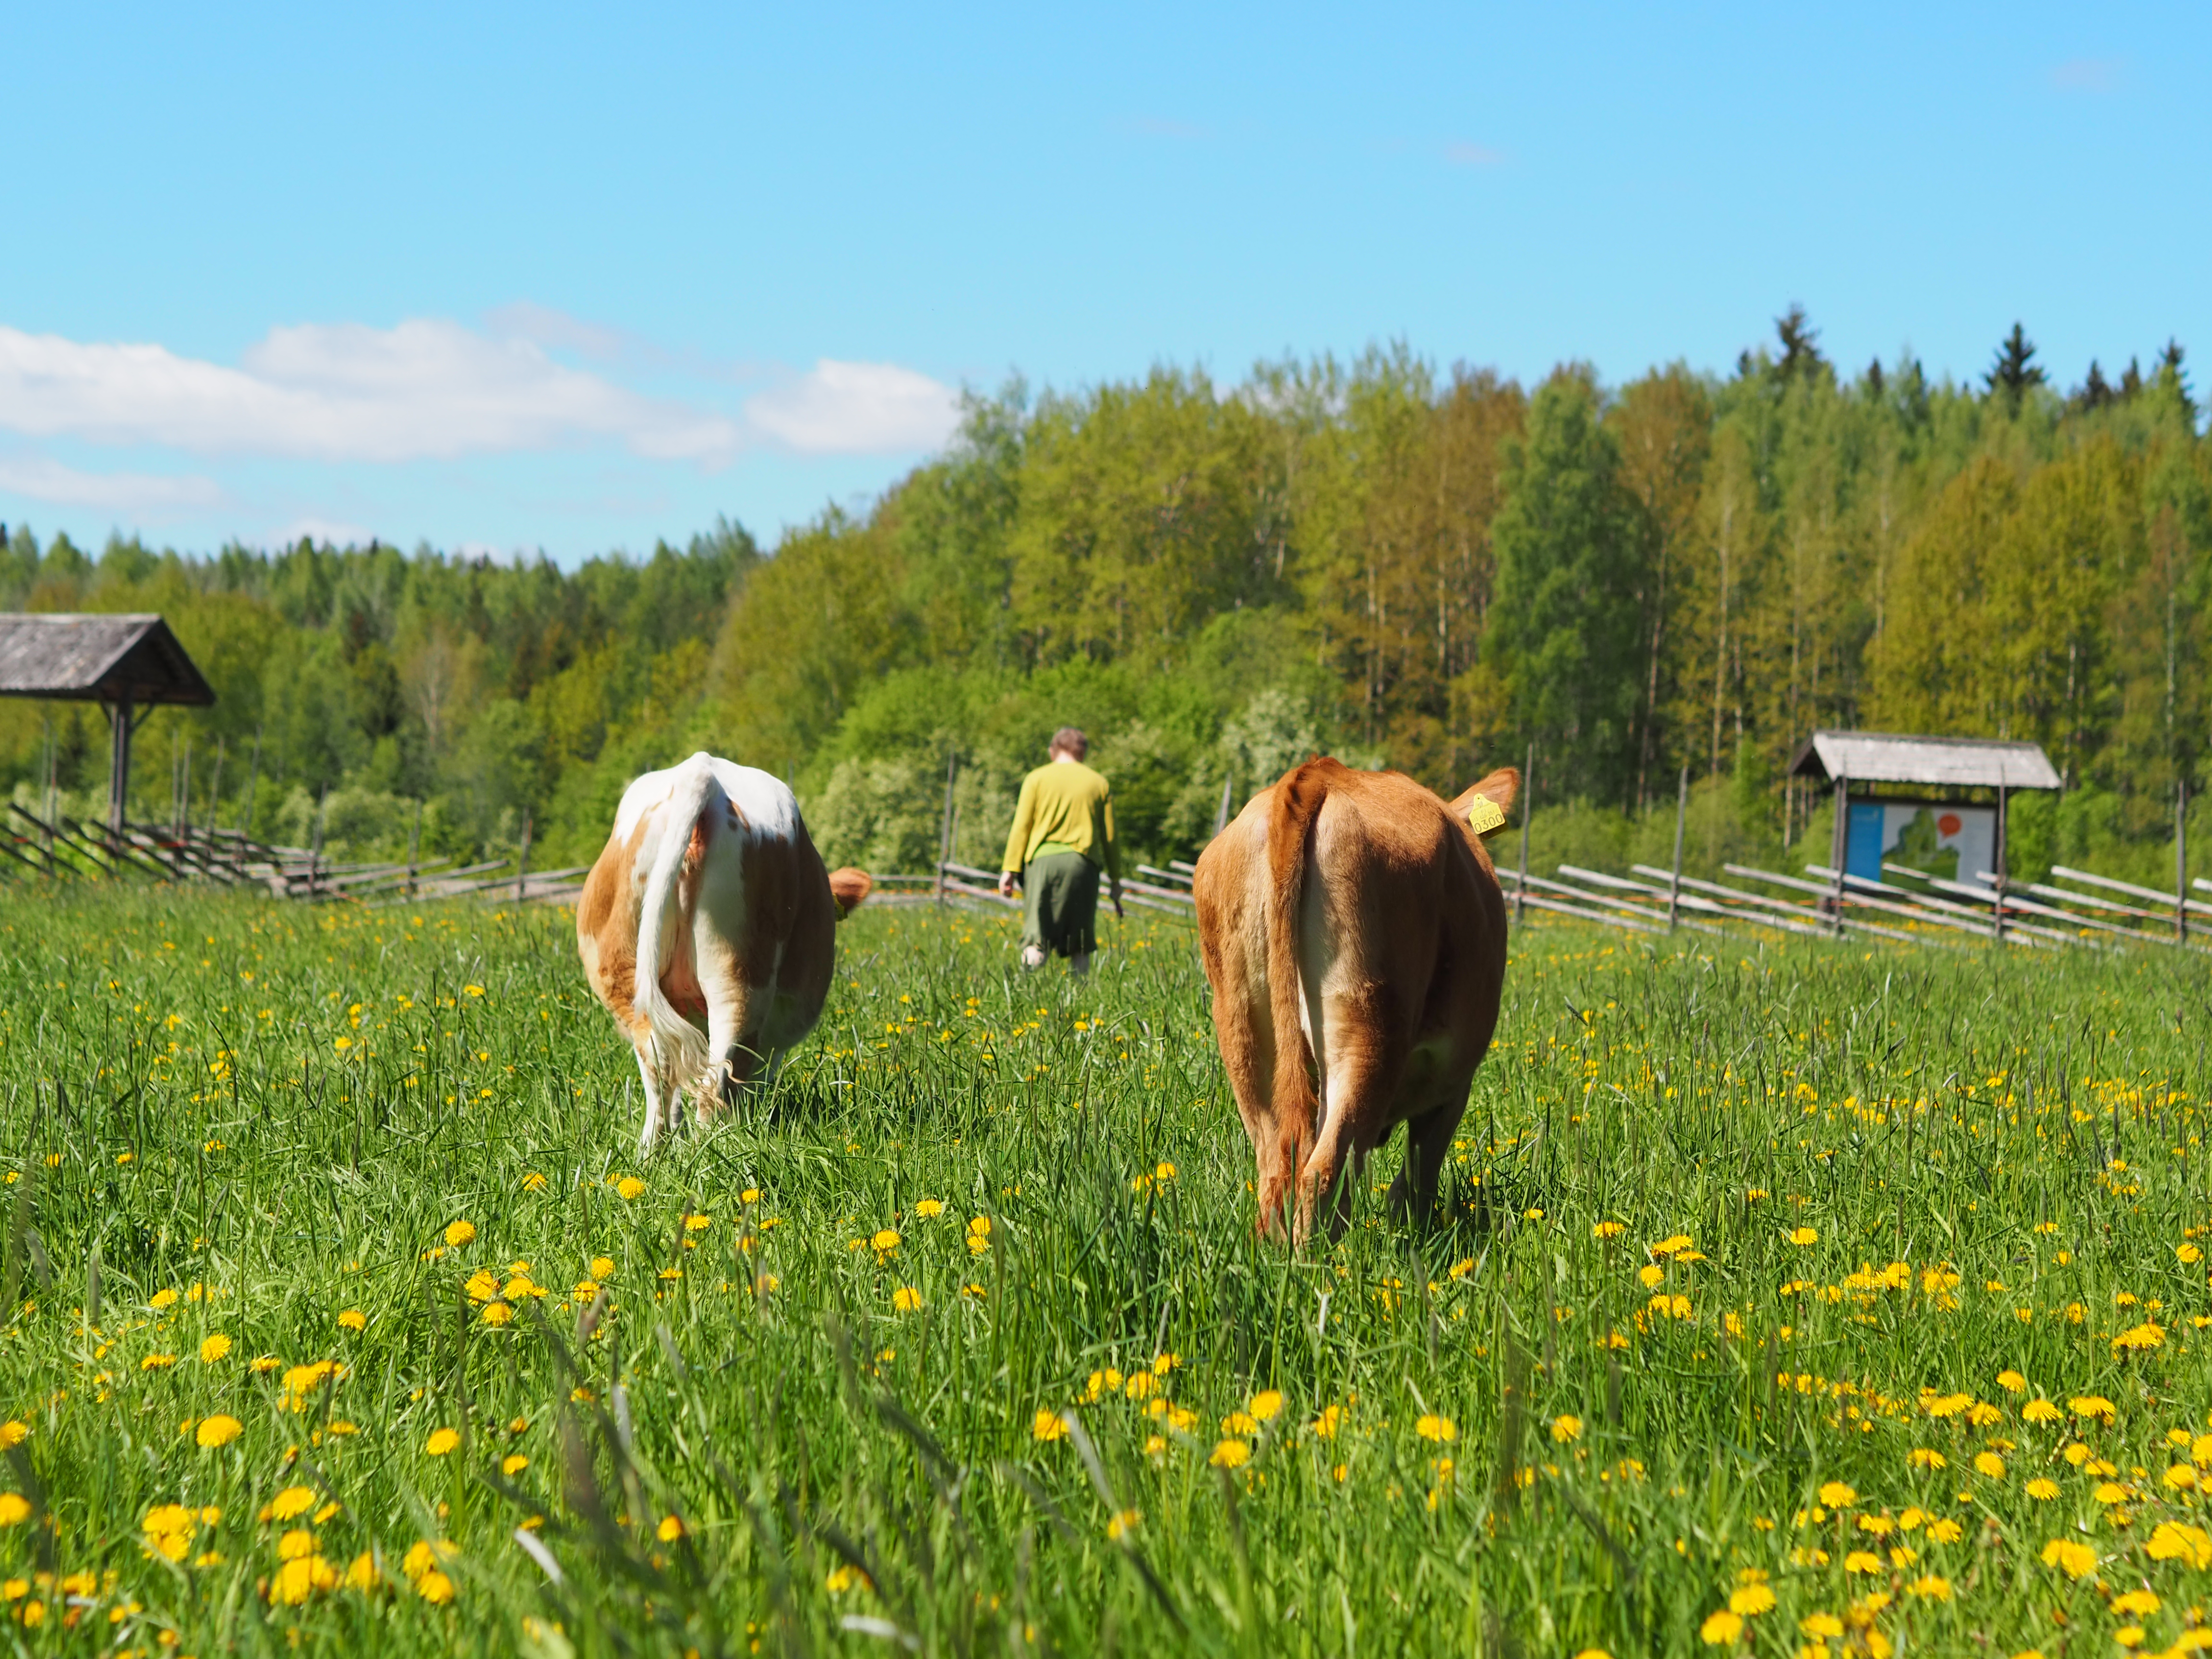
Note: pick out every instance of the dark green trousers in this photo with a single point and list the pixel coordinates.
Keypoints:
(1059, 904)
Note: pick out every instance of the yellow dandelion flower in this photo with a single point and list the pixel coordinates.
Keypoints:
(533, 1183)
(1231, 1455)
(1822, 1626)
(1721, 1628)
(670, 1529)
(1048, 1425)
(2135, 1604)
(2075, 1560)
(15, 1509)
(13, 1432)
(885, 1242)
(291, 1502)
(1931, 1588)
(1862, 1561)
(1122, 1524)
(459, 1233)
(353, 1318)
(1607, 1230)
(1439, 1429)
(2041, 1410)
(929, 1209)
(1989, 1464)
(2172, 1540)
(907, 1299)
(435, 1588)
(513, 1464)
(440, 1441)
(218, 1430)
(1838, 1496)
(2091, 1406)
(1566, 1427)
(1752, 1600)
(1266, 1404)
(631, 1188)
(362, 1574)
(1803, 1235)
(1925, 1457)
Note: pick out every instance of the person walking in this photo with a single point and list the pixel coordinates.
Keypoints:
(1063, 837)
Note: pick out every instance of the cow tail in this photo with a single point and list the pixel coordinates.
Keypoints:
(676, 1047)
(1298, 803)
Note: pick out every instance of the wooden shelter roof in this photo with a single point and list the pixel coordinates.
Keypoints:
(1892, 757)
(104, 658)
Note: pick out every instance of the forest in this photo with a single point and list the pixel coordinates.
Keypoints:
(1435, 570)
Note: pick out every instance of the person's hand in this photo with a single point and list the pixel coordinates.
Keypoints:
(1117, 896)
(1005, 883)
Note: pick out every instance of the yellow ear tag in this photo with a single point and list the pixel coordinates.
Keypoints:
(1484, 816)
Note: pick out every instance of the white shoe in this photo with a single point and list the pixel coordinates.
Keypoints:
(1032, 958)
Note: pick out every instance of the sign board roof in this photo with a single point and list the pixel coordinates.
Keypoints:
(104, 658)
(1892, 757)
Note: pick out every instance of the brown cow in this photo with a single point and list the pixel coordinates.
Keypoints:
(710, 877)
(1354, 934)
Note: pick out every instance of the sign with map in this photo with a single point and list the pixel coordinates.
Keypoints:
(1934, 837)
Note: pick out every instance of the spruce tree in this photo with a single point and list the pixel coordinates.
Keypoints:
(2096, 392)
(2016, 368)
(1800, 353)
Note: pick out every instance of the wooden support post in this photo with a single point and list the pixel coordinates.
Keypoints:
(1681, 817)
(1527, 806)
(1839, 843)
(522, 864)
(414, 846)
(1221, 814)
(118, 767)
(315, 851)
(1999, 906)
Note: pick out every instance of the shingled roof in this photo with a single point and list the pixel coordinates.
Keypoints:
(134, 658)
(1892, 757)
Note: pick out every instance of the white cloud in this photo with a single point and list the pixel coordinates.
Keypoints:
(857, 408)
(426, 389)
(44, 479)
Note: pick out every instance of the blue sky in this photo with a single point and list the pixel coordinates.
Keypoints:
(519, 277)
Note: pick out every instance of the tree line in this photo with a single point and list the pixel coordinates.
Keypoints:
(1425, 569)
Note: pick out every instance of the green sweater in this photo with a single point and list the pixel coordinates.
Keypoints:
(1067, 805)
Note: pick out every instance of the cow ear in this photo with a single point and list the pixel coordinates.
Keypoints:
(1486, 805)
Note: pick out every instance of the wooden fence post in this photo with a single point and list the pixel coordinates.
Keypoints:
(522, 864)
(1527, 806)
(414, 846)
(2181, 859)
(1681, 815)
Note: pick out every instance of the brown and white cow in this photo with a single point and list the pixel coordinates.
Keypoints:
(1354, 935)
(710, 878)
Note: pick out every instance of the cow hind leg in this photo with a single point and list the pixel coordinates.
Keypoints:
(735, 1047)
(1428, 1142)
(1360, 1081)
(659, 1101)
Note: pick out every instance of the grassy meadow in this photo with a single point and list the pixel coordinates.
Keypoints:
(1792, 1300)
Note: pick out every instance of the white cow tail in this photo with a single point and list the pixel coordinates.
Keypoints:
(677, 1047)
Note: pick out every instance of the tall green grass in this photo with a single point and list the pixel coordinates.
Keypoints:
(225, 1117)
